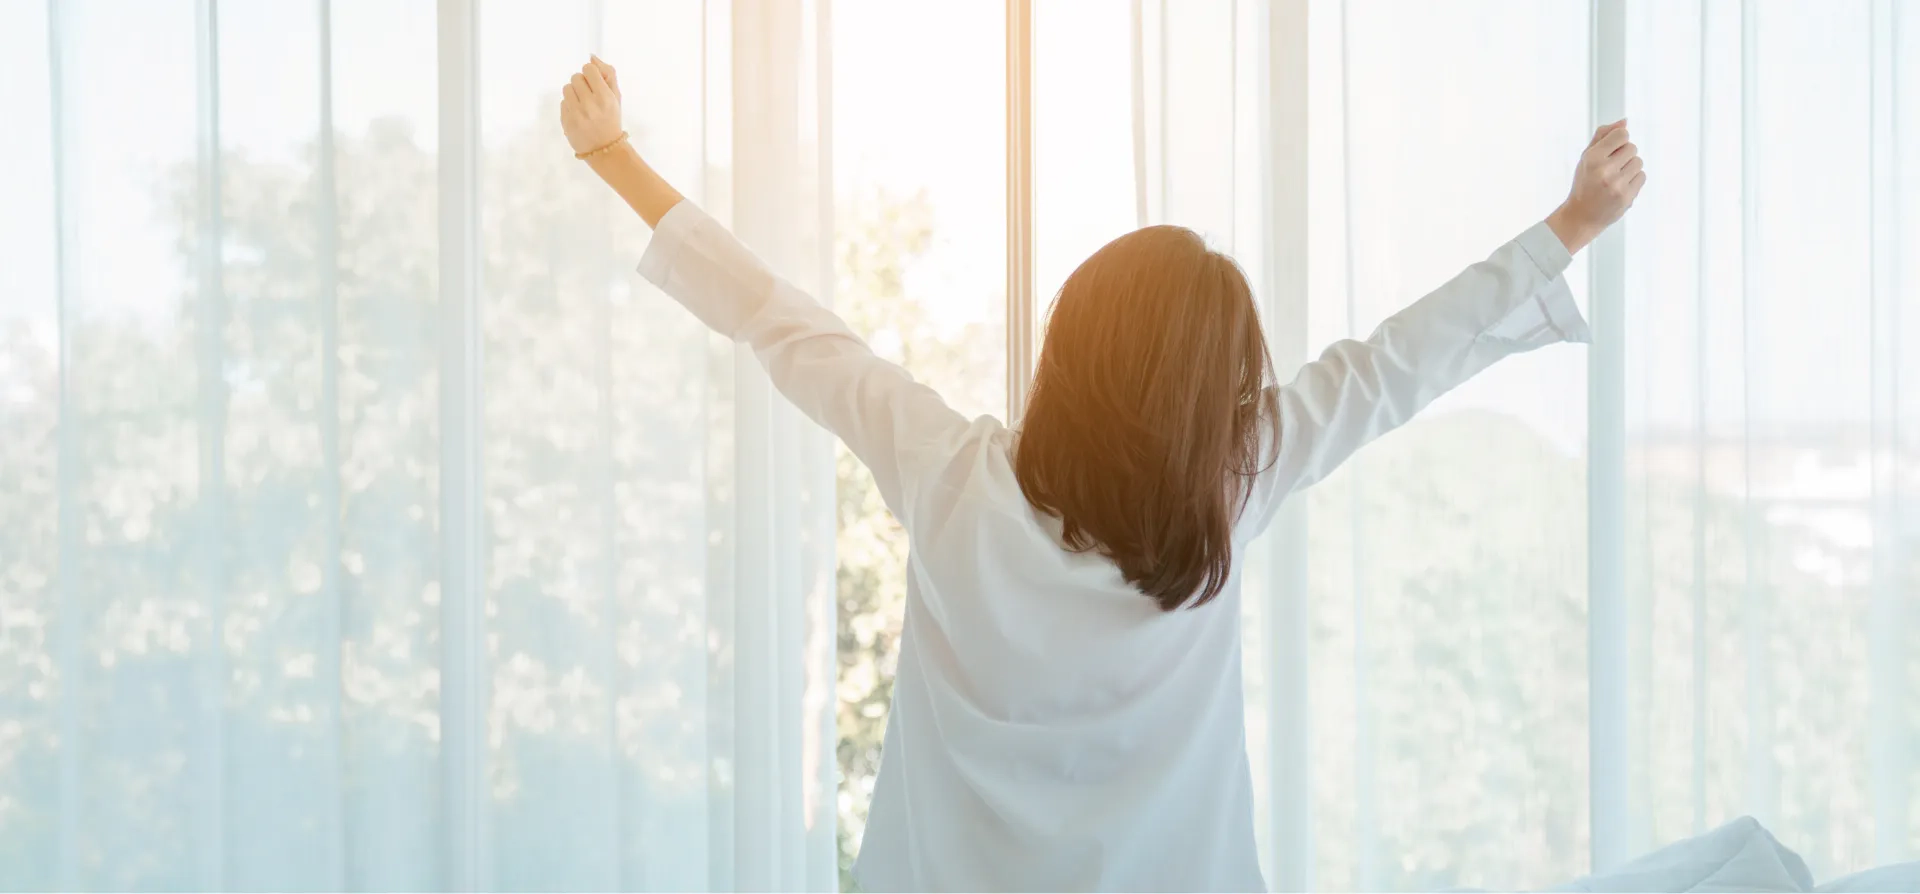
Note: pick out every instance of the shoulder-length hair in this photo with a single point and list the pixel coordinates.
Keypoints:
(1144, 426)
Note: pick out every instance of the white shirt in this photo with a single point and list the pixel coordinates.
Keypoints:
(1051, 728)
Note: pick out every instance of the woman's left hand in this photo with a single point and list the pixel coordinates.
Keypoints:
(590, 107)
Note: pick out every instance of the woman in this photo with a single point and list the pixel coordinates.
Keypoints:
(1067, 712)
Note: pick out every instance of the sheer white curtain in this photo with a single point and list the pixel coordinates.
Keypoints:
(364, 521)
(1773, 349)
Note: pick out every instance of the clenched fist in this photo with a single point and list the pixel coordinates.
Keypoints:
(590, 107)
(1605, 184)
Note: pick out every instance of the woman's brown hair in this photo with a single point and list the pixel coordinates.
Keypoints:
(1143, 430)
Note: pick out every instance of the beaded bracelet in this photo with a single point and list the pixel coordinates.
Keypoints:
(593, 152)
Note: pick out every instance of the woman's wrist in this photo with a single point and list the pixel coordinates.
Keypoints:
(616, 159)
(603, 147)
(644, 190)
(1573, 233)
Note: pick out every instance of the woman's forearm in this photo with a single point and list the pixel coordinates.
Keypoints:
(644, 190)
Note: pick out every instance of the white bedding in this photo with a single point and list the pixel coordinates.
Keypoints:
(1896, 877)
(1739, 856)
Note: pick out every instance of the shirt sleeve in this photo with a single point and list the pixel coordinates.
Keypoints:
(1514, 301)
(896, 426)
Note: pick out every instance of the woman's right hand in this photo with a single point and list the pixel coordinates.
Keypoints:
(590, 107)
(1605, 184)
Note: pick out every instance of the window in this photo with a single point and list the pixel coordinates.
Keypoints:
(366, 523)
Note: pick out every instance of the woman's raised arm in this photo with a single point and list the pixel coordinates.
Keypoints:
(899, 428)
(1514, 301)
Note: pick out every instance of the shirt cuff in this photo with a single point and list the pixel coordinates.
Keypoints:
(668, 236)
(1556, 301)
(1546, 250)
(1551, 257)
(1551, 315)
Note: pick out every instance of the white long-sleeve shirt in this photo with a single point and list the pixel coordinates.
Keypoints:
(1051, 728)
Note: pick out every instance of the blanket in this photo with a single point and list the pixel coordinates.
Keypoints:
(1739, 856)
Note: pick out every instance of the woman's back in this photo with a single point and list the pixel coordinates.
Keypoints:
(1073, 735)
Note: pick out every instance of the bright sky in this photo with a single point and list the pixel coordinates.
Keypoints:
(1448, 164)
(918, 104)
